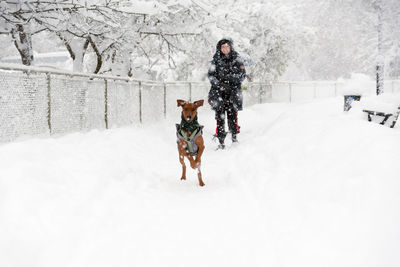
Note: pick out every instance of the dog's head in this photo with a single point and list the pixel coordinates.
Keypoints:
(189, 110)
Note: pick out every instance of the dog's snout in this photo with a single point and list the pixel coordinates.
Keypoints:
(188, 117)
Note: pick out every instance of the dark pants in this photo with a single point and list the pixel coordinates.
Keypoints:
(226, 110)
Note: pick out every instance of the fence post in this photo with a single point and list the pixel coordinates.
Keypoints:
(83, 104)
(392, 86)
(140, 101)
(269, 88)
(260, 94)
(106, 102)
(49, 102)
(290, 93)
(165, 100)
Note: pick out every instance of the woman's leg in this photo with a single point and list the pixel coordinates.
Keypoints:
(220, 118)
(233, 121)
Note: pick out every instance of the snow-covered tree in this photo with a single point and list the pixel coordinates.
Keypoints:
(266, 35)
(346, 37)
(175, 39)
(17, 20)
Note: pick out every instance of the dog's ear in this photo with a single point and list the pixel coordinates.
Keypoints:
(199, 103)
(181, 102)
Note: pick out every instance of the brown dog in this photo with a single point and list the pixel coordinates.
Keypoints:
(190, 140)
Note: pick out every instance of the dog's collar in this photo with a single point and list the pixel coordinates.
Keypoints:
(189, 127)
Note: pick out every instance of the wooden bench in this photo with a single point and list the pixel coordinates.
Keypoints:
(385, 116)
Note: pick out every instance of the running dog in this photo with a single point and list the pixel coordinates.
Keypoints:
(190, 140)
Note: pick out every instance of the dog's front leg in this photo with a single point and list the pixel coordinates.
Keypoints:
(195, 164)
(182, 161)
(192, 161)
(200, 145)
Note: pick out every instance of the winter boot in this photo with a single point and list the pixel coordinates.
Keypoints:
(221, 139)
(234, 138)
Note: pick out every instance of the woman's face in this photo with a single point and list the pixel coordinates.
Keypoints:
(225, 49)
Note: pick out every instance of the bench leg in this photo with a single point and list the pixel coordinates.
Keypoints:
(385, 119)
(395, 119)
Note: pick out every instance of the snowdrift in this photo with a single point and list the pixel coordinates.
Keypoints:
(308, 185)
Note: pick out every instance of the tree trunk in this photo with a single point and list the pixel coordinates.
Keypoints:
(98, 55)
(79, 51)
(23, 42)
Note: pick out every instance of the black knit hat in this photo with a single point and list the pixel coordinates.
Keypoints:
(224, 41)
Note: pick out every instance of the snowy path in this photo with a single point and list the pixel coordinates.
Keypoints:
(306, 186)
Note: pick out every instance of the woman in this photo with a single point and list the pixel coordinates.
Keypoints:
(225, 97)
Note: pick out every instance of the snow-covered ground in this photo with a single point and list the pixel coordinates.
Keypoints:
(308, 185)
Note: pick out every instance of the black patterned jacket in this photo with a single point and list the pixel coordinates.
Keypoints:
(226, 75)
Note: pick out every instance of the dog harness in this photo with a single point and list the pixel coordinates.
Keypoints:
(191, 148)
